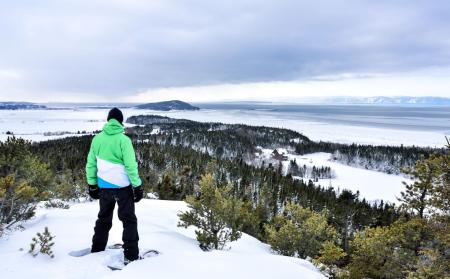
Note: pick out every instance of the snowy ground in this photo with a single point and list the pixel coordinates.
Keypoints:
(372, 185)
(31, 124)
(180, 255)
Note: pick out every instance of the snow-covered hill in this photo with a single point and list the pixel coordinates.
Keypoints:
(180, 255)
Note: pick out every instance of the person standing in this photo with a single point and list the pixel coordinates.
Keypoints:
(112, 177)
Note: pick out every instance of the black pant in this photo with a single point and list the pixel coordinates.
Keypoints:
(130, 237)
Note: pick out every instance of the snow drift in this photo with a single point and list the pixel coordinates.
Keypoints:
(180, 255)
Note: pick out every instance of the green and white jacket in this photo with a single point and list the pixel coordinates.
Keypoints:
(111, 162)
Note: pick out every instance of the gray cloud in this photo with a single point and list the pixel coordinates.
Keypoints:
(119, 47)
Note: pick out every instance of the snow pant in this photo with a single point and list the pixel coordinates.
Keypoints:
(130, 237)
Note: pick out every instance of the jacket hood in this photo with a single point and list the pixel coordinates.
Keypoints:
(113, 127)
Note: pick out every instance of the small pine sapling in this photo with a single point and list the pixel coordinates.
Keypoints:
(215, 214)
(44, 241)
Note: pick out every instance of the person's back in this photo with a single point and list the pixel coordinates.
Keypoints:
(112, 175)
(111, 159)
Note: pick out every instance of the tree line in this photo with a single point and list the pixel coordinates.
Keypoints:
(238, 140)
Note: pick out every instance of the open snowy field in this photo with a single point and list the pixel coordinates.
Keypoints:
(372, 185)
(32, 124)
(180, 255)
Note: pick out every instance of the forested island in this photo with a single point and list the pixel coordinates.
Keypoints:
(168, 105)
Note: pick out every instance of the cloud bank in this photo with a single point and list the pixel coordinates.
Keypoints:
(117, 49)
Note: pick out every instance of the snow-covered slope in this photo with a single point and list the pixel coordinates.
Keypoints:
(180, 255)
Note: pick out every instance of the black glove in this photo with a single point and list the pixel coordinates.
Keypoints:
(138, 193)
(93, 191)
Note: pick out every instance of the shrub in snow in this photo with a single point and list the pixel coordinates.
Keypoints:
(24, 181)
(42, 243)
(299, 232)
(68, 187)
(56, 204)
(389, 252)
(329, 259)
(215, 213)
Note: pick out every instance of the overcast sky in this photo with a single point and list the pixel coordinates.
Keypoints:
(111, 50)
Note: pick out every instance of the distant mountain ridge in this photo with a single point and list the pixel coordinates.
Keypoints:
(382, 100)
(20, 105)
(168, 105)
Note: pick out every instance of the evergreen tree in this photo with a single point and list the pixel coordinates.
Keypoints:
(24, 181)
(45, 242)
(386, 252)
(329, 258)
(434, 255)
(186, 183)
(215, 214)
(300, 232)
(166, 188)
(417, 195)
(441, 194)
